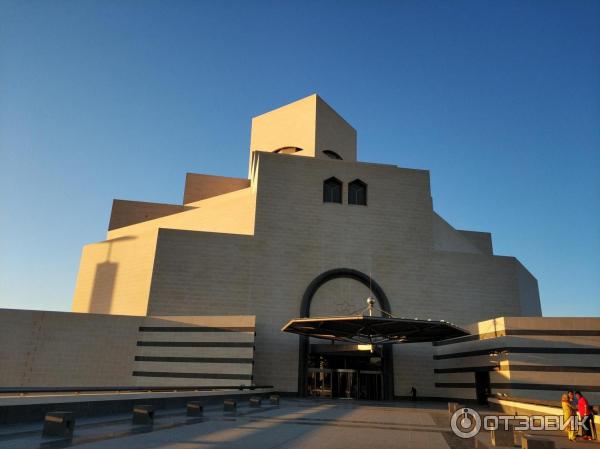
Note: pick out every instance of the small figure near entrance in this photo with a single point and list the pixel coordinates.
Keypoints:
(413, 394)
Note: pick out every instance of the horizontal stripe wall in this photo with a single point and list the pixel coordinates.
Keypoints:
(195, 351)
(73, 350)
(536, 357)
(523, 332)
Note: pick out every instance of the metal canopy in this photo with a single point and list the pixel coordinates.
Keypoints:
(374, 329)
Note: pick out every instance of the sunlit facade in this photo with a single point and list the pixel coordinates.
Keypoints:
(251, 247)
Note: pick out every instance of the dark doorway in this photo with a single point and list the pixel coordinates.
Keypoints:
(346, 375)
(482, 386)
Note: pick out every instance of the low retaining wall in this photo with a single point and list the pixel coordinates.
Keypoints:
(64, 349)
(33, 408)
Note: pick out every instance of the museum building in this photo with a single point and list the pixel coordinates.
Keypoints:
(197, 293)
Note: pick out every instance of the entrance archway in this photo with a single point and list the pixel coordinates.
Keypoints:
(387, 362)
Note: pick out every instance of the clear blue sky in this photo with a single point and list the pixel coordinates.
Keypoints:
(119, 99)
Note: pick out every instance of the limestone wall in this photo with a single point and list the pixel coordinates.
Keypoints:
(115, 275)
(57, 349)
(200, 187)
(125, 212)
(310, 125)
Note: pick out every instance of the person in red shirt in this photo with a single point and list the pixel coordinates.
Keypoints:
(583, 407)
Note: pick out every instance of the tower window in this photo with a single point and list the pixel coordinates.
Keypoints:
(332, 154)
(357, 193)
(288, 150)
(332, 190)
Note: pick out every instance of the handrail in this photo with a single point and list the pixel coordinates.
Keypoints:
(22, 390)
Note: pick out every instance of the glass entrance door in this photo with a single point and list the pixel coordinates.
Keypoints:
(344, 373)
(319, 382)
(346, 386)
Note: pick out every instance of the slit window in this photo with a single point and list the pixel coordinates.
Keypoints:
(332, 191)
(332, 154)
(357, 193)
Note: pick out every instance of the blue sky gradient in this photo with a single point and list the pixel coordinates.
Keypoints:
(119, 99)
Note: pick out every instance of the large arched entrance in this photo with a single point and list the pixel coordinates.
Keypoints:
(386, 351)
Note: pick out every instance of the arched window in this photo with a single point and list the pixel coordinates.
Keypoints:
(357, 192)
(332, 190)
(332, 154)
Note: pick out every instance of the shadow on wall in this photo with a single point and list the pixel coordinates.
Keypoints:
(103, 287)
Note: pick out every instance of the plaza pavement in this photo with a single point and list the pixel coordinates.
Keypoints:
(295, 424)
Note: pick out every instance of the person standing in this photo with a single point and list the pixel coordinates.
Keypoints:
(568, 414)
(413, 394)
(593, 423)
(573, 402)
(586, 415)
(572, 398)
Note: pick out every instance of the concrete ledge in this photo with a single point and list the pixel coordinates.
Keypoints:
(534, 442)
(466, 401)
(230, 405)
(194, 408)
(143, 415)
(502, 438)
(30, 408)
(58, 424)
(454, 406)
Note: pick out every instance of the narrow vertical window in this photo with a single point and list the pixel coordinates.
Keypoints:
(332, 190)
(357, 193)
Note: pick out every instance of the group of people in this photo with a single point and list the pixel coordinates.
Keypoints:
(573, 404)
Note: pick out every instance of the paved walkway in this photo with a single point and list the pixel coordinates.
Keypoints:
(295, 424)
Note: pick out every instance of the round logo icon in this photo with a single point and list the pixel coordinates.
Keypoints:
(465, 423)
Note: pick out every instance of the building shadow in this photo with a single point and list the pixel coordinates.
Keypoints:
(103, 287)
(105, 278)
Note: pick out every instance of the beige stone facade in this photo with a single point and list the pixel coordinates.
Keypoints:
(252, 246)
(58, 349)
(523, 357)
